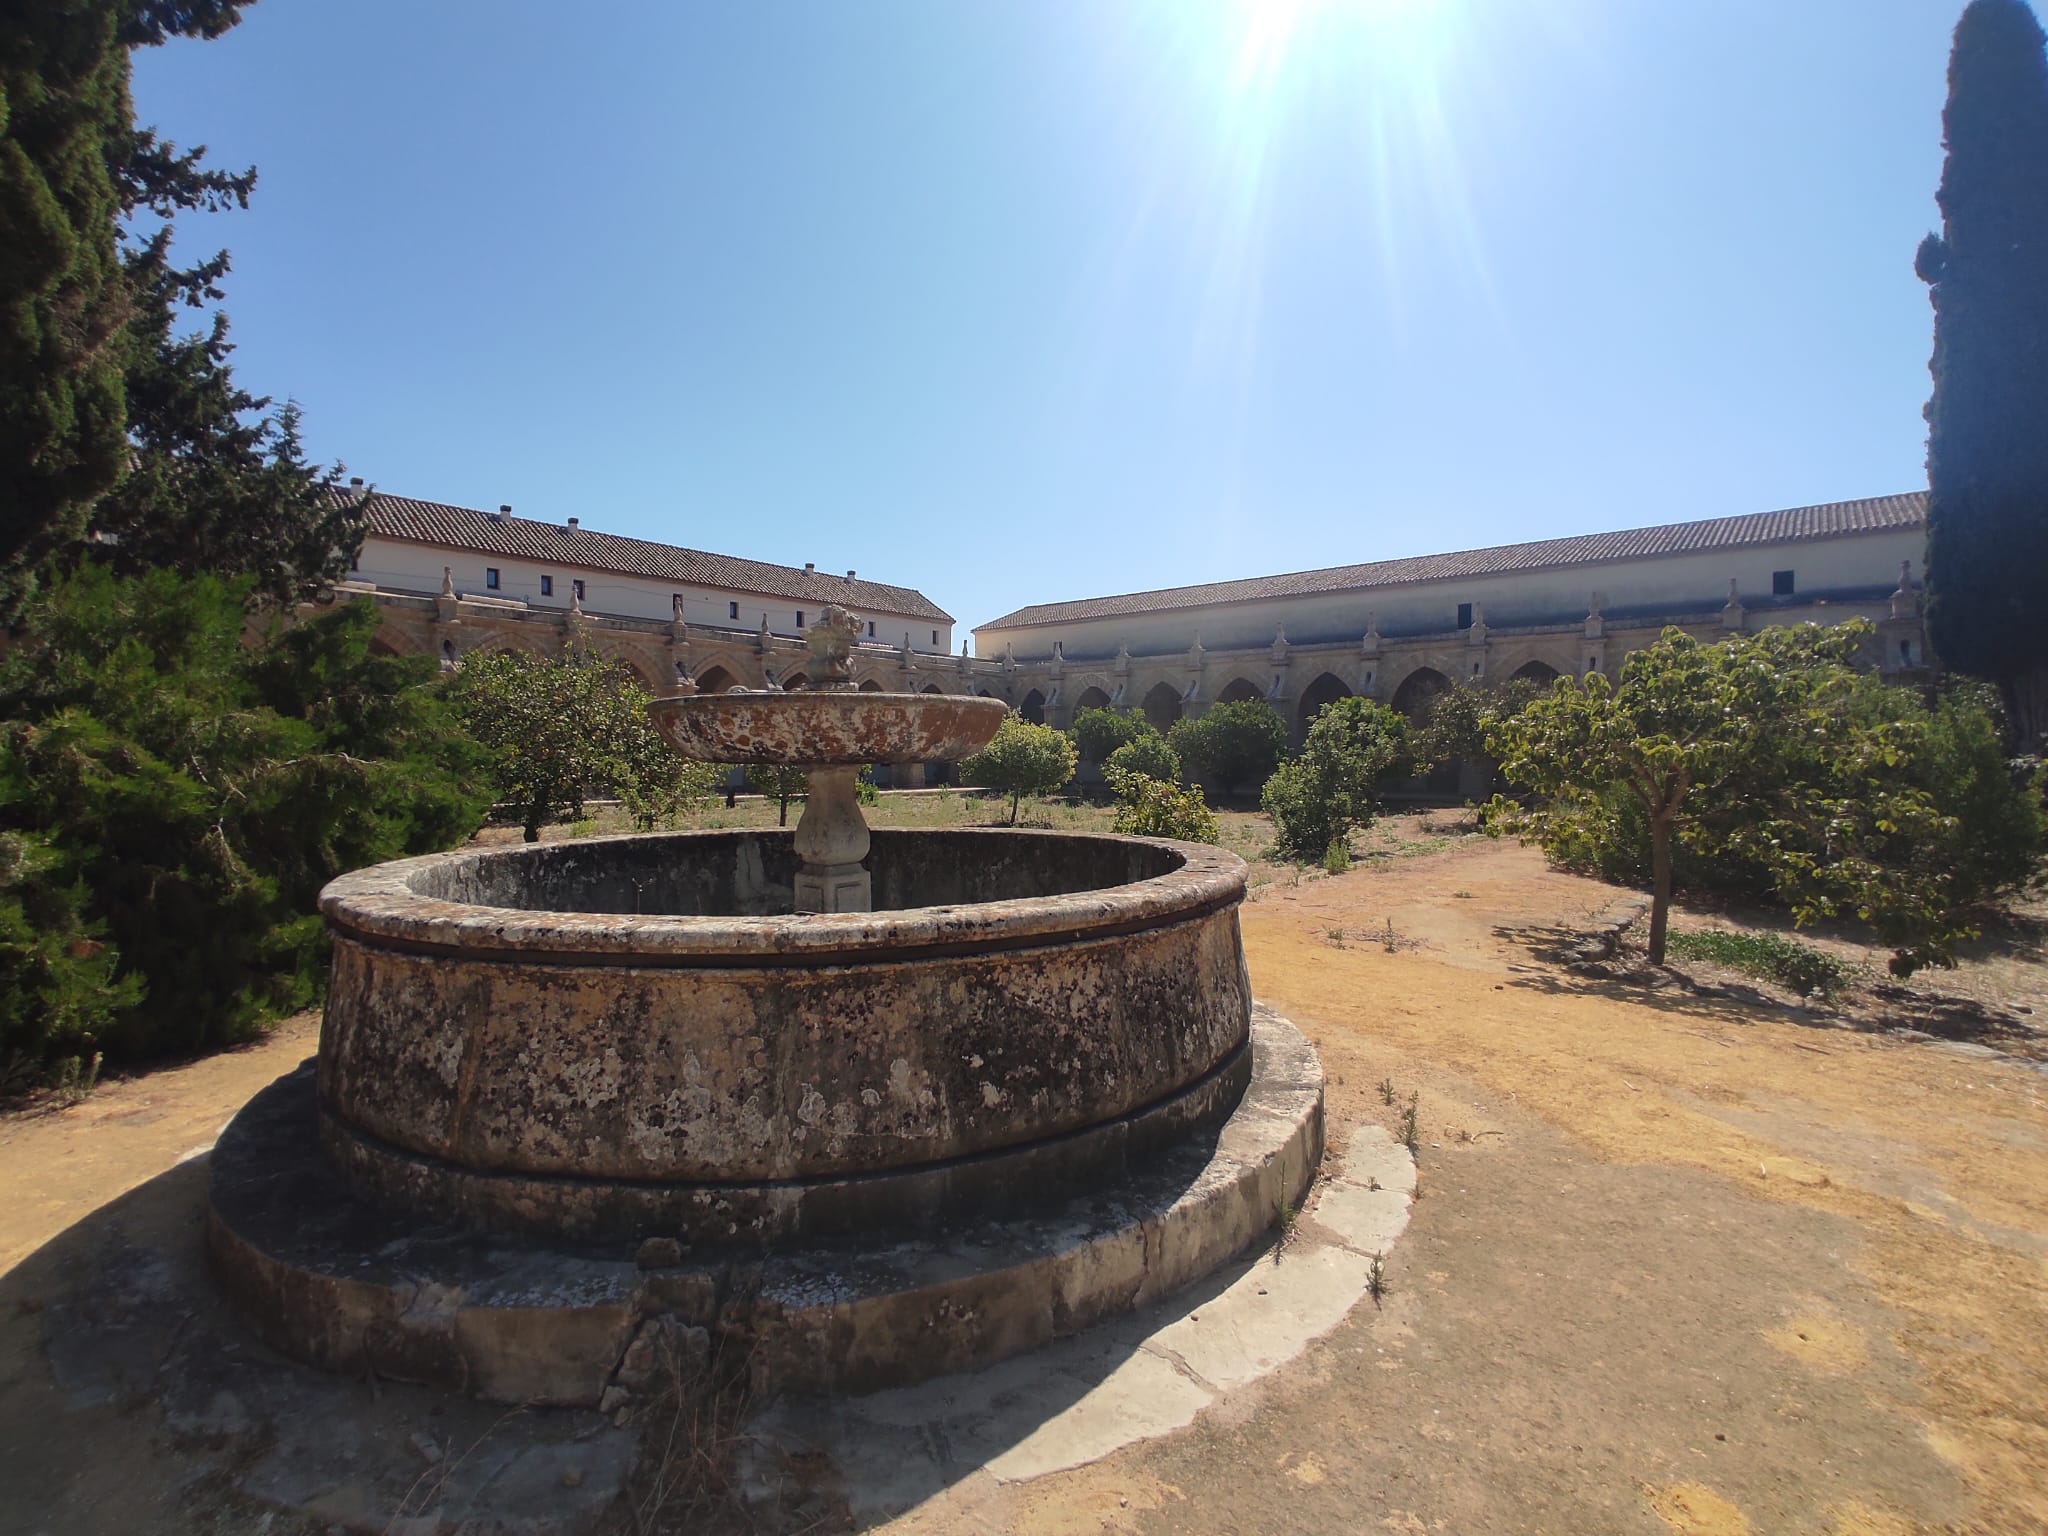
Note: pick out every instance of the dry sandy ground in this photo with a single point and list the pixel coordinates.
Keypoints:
(1681, 1264)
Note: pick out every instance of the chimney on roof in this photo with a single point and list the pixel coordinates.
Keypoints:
(573, 523)
(355, 482)
(849, 574)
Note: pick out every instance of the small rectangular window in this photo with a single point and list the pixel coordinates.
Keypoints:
(579, 589)
(799, 618)
(1464, 615)
(547, 586)
(1781, 583)
(732, 610)
(491, 577)
(935, 637)
(871, 629)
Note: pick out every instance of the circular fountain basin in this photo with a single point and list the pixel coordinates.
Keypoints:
(826, 728)
(625, 1037)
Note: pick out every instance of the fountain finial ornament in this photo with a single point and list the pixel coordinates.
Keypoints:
(831, 640)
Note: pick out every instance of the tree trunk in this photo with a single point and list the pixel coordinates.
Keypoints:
(1014, 798)
(2026, 708)
(782, 810)
(1660, 885)
(533, 817)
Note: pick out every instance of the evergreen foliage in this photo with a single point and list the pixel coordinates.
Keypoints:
(114, 422)
(171, 803)
(1022, 759)
(1232, 744)
(1099, 732)
(64, 111)
(1773, 765)
(1987, 440)
(1332, 786)
(1146, 753)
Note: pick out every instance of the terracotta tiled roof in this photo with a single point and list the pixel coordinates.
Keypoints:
(1876, 514)
(520, 538)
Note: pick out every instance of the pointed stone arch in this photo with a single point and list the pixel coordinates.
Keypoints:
(1162, 706)
(1238, 690)
(794, 679)
(1033, 707)
(715, 679)
(1324, 691)
(931, 688)
(1418, 691)
(869, 685)
(1541, 673)
(1093, 698)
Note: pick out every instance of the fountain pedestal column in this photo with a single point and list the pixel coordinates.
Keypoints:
(831, 842)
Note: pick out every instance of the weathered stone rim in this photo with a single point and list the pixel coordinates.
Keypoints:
(821, 727)
(381, 906)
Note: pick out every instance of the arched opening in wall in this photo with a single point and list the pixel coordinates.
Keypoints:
(983, 693)
(1162, 706)
(1033, 707)
(638, 673)
(380, 646)
(870, 686)
(1237, 690)
(1541, 673)
(716, 680)
(1094, 698)
(1324, 691)
(794, 680)
(931, 688)
(1418, 691)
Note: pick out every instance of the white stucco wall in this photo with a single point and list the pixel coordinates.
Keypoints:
(400, 565)
(1679, 582)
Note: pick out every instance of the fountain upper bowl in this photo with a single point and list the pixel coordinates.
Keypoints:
(826, 728)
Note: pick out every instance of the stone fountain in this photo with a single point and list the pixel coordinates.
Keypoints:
(883, 1105)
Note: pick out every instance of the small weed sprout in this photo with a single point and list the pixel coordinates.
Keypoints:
(1336, 857)
(1410, 1134)
(1386, 1090)
(1376, 1279)
(1335, 936)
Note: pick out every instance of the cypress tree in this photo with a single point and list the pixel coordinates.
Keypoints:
(1987, 441)
(63, 110)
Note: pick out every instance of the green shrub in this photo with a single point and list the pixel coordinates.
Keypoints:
(864, 789)
(1147, 754)
(1231, 744)
(1797, 967)
(1151, 807)
(1023, 759)
(1337, 857)
(1333, 786)
(1099, 732)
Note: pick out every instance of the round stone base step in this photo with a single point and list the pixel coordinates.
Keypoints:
(332, 1279)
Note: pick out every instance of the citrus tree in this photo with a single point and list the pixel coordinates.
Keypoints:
(1022, 759)
(1770, 751)
(1333, 784)
(565, 728)
(1232, 744)
(1100, 731)
(1147, 754)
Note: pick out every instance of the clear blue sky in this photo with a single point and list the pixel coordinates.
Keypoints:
(1019, 302)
